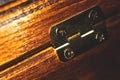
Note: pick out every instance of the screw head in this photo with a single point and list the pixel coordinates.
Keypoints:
(100, 37)
(93, 15)
(60, 32)
(68, 53)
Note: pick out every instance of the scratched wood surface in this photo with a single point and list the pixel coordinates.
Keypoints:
(24, 32)
(99, 63)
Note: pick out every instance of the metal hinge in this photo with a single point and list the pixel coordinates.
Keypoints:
(78, 34)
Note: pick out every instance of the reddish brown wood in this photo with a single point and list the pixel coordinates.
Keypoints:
(10, 5)
(31, 31)
(101, 62)
(20, 36)
(109, 7)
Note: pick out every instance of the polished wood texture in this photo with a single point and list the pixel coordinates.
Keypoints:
(99, 63)
(23, 38)
(31, 31)
(10, 5)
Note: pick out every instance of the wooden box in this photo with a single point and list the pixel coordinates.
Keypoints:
(26, 51)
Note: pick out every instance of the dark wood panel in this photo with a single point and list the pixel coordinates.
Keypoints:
(99, 63)
(110, 7)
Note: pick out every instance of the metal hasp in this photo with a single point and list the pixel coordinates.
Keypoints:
(79, 33)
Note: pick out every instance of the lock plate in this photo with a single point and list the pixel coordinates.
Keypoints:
(79, 33)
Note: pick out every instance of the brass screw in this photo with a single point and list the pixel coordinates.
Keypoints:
(60, 32)
(100, 37)
(68, 53)
(93, 15)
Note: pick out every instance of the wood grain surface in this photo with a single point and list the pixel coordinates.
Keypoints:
(24, 36)
(19, 36)
(31, 31)
(99, 63)
(10, 5)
